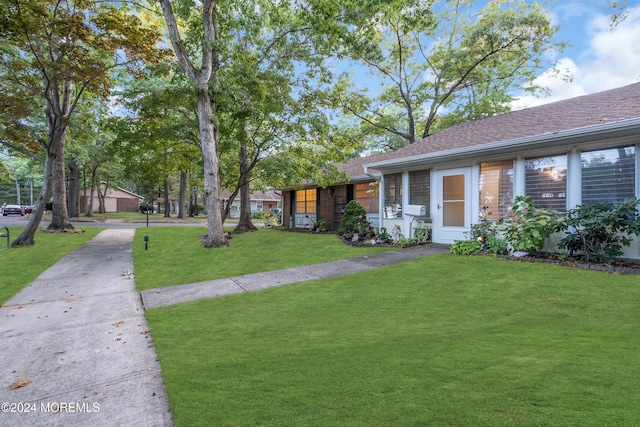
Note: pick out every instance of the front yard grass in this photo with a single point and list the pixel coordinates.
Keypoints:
(442, 340)
(175, 255)
(21, 266)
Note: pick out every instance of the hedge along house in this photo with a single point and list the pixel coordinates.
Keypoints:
(561, 154)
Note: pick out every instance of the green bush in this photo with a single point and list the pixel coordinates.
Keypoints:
(321, 226)
(598, 231)
(354, 220)
(528, 227)
(146, 207)
(465, 247)
(422, 234)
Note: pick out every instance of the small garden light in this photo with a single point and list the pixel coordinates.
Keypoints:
(146, 242)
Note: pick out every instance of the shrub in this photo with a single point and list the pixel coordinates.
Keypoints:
(465, 247)
(422, 234)
(146, 207)
(600, 230)
(496, 245)
(528, 227)
(354, 220)
(321, 226)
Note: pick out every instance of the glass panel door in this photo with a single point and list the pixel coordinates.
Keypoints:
(453, 200)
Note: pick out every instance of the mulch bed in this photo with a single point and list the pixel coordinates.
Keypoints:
(619, 267)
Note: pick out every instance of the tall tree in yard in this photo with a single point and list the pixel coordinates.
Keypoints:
(52, 52)
(204, 79)
(442, 63)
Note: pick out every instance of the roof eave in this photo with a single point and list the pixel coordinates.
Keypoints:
(567, 137)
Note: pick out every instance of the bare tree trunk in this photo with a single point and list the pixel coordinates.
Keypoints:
(92, 190)
(183, 192)
(204, 79)
(209, 133)
(73, 189)
(60, 215)
(102, 195)
(26, 238)
(15, 177)
(244, 224)
(167, 202)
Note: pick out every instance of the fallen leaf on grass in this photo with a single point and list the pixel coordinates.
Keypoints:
(20, 383)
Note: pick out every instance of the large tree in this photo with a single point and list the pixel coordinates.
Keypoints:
(202, 69)
(442, 63)
(52, 52)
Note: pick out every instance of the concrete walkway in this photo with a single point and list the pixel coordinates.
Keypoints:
(79, 337)
(75, 348)
(209, 289)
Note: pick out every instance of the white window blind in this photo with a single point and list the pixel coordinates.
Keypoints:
(546, 182)
(393, 196)
(608, 175)
(420, 189)
(496, 188)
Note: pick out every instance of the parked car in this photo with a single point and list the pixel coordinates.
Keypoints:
(12, 210)
(27, 209)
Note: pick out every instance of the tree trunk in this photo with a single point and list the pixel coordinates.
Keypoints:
(209, 142)
(15, 177)
(102, 195)
(60, 215)
(244, 224)
(183, 192)
(73, 189)
(26, 238)
(167, 202)
(92, 190)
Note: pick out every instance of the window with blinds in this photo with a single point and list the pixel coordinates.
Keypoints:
(306, 201)
(546, 182)
(608, 175)
(496, 188)
(420, 189)
(393, 196)
(365, 194)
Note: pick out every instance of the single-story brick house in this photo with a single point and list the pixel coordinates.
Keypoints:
(116, 200)
(562, 154)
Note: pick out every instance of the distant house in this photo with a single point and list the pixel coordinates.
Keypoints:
(260, 201)
(116, 200)
(562, 154)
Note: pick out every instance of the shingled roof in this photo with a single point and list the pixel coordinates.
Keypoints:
(582, 113)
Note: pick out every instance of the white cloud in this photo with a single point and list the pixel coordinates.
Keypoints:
(611, 59)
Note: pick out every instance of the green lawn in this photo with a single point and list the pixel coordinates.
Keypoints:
(20, 266)
(442, 341)
(175, 255)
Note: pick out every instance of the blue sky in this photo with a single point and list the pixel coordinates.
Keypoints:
(600, 58)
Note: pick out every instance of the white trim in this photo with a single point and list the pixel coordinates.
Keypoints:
(566, 137)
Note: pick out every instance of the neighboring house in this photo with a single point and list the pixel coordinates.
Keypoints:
(562, 154)
(116, 200)
(260, 201)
